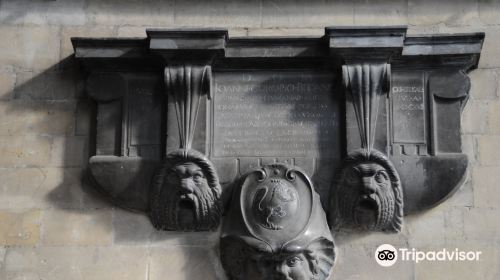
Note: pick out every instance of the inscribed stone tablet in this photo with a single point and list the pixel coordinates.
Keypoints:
(408, 107)
(272, 114)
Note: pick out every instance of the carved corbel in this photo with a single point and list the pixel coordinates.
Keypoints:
(186, 194)
(367, 193)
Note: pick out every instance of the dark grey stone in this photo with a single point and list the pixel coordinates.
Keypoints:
(276, 228)
(370, 114)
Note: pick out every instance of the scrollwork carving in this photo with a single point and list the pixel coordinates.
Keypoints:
(276, 228)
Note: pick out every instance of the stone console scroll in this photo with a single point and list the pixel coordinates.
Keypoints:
(367, 115)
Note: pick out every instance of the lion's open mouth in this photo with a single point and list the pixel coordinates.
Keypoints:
(366, 212)
(368, 203)
(186, 213)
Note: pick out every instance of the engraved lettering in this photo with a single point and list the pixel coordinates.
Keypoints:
(408, 108)
(288, 114)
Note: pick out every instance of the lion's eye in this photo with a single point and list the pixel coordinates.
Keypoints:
(291, 262)
(198, 177)
(381, 176)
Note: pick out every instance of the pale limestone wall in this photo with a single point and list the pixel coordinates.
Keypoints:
(52, 226)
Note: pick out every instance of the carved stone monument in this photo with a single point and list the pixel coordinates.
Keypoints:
(276, 228)
(269, 134)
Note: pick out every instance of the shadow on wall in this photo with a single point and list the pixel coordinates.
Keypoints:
(65, 120)
(49, 124)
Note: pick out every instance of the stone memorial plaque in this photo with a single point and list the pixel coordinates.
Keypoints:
(275, 114)
(279, 139)
(408, 108)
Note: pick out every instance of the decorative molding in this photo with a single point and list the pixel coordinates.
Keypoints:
(365, 83)
(185, 85)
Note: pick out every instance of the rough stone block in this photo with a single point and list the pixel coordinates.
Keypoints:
(69, 152)
(132, 228)
(391, 12)
(99, 263)
(475, 117)
(317, 13)
(167, 238)
(83, 228)
(464, 195)
(132, 12)
(132, 31)
(238, 32)
(486, 268)
(136, 229)
(85, 116)
(19, 228)
(20, 117)
(486, 181)
(20, 187)
(3, 250)
(481, 225)
(68, 12)
(428, 12)
(25, 150)
(494, 117)
(489, 154)
(454, 225)
(370, 238)
(181, 263)
(46, 85)
(218, 13)
(426, 229)
(469, 147)
(62, 188)
(7, 82)
(489, 54)
(488, 12)
(29, 47)
(424, 29)
(93, 199)
(312, 32)
(484, 83)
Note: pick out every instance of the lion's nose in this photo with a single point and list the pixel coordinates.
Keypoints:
(369, 186)
(187, 186)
